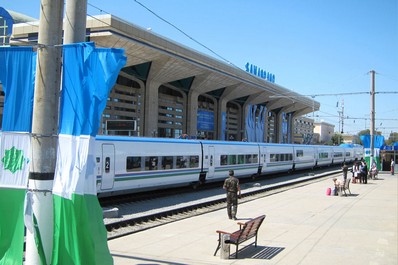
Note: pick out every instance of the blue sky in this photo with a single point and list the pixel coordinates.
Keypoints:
(313, 47)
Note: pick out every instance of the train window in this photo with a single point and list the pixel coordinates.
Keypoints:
(290, 157)
(133, 163)
(272, 157)
(167, 162)
(182, 162)
(223, 160)
(347, 154)
(299, 153)
(255, 158)
(241, 159)
(338, 154)
(194, 161)
(151, 163)
(323, 155)
(231, 159)
(248, 159)
(97, 159)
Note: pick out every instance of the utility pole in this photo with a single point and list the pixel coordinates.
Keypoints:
(372, 115)
(45, 127)
(342, 116)
(75, 21)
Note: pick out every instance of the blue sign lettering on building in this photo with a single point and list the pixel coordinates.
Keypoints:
(262, 73)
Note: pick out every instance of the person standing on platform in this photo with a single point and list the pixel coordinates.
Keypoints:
(364, 173)
(392, 166)
(231, 185)
(355, 173)
(345, 171)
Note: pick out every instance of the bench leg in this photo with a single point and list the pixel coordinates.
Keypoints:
(219, 244)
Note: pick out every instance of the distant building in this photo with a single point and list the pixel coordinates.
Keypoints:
(350, 139)
(324, 130)
(303, 130)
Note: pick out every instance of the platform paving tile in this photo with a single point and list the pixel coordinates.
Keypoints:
(302, 226)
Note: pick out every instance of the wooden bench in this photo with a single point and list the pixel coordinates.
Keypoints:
(345, 187)
(246, 231)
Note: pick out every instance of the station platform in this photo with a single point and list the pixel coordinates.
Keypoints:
(302, 226)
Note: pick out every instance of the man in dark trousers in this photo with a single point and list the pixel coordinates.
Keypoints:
(231, 185)
(345, 171)
(364, 172)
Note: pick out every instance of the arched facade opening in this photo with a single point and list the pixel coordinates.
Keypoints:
(171, 112)
(233, 124)
(125, 103)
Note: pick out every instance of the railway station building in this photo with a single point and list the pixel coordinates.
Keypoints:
(169, 90)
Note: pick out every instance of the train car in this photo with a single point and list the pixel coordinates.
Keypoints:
(348, 155)
(338, 155)
(358, 152)
(131, 164)
(304, 156)
(141, 164)
(222, 156)
(276, 158)
(324, 156)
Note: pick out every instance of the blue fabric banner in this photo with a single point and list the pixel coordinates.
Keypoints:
(17, 73)
(378, 140)
(88, 76)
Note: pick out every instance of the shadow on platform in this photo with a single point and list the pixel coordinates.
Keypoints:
(259, 252)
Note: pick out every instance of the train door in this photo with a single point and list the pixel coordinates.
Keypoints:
(211, 162)
(108, 166)
(263, 158)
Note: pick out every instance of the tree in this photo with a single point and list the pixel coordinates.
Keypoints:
(337, 139)
(392, 138)
(364, 132)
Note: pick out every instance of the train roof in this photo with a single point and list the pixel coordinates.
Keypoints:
(207, 142)
(142, 139)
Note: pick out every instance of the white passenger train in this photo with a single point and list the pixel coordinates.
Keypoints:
(128, 164)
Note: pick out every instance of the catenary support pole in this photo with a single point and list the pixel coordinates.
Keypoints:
(372, 115)
(75, 21)
(45, 128)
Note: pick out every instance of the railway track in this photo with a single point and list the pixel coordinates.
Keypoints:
(141, 214)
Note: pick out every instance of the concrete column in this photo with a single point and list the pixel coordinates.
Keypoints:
(278, 127)
(240, 126)
(151, 108)
(222, 107)
(216, 118)
(192, 112)
(245, 111)
(266, 125)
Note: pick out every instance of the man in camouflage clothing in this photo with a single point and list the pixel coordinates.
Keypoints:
(231, 185)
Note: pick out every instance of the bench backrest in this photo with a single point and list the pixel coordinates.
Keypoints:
(250, 228)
